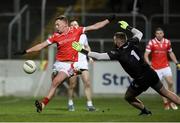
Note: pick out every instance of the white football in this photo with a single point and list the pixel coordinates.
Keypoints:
(29, 66)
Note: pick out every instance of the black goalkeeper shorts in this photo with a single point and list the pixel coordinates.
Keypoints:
(148, 79)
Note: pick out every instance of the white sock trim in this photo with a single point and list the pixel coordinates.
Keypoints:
(70, 102)
(89, 103)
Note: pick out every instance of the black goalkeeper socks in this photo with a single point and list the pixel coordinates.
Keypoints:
(145, 111)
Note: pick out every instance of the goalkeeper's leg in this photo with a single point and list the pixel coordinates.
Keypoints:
(170, 82)
(168, 94)
(130, 97)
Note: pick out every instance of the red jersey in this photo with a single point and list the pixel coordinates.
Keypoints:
(159, 51)
(65, 52)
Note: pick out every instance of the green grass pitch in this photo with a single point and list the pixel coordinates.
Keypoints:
(113, 109)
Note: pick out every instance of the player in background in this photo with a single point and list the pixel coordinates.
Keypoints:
(65, 56)
(82, 64)
(131, 58)
(158, 48)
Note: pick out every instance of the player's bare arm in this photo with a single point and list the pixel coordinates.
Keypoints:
(100, 24)
(97, 25)
(38, 47)
(173, 57)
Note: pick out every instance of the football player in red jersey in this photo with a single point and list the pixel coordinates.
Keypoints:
(66, 55)
(159, 47)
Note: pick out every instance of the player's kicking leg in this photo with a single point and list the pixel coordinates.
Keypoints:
(57, 80)
(38, 106)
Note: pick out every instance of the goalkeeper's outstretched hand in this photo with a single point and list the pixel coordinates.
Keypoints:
(20, 52)
(77, 46)
(123, 24)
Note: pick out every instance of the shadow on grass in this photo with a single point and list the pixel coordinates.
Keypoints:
(57, 109)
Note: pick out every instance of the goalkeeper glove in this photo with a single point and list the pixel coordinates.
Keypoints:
(125, 25)
(78, 47)
(178, 65)
(20, 52)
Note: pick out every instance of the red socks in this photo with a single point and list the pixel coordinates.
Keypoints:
(45, 101)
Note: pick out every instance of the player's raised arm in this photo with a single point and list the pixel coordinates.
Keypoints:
(136, 32)
(100, 24)
(99, 56)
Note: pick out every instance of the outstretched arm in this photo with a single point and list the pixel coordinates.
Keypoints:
(100, 24)
(97, 25)
(37, 47)
(99, 56)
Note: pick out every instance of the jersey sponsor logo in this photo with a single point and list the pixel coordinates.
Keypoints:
(158, 51)
(67, 40)
(114, 79)
(155, 45)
